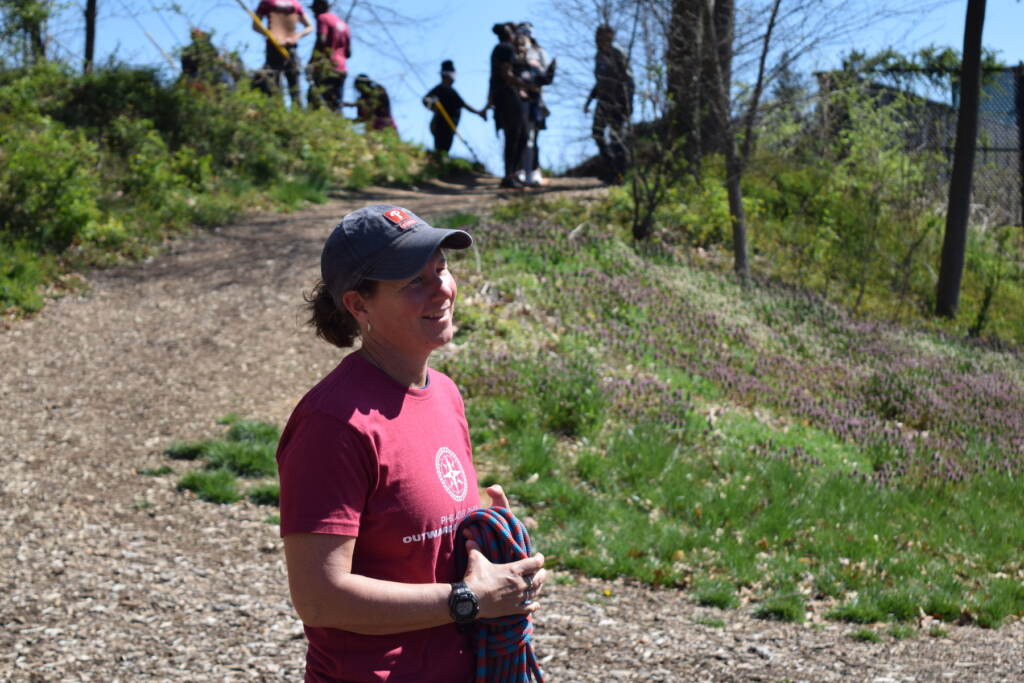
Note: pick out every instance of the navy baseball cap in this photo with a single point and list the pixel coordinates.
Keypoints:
(381, 242)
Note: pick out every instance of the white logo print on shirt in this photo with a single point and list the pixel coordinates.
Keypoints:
(451, 474)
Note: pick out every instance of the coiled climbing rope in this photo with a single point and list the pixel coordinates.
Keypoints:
(504, 650)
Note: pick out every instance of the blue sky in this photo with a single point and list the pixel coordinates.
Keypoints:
(403, 50)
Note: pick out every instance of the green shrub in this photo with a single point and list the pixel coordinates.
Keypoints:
(23, 272)
(48, 183)
(100, 167)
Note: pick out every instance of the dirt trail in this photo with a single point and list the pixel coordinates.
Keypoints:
(108, 575)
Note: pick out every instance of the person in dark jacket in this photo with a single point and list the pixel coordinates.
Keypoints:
(503, 95)
(613, 91)
(444, 99)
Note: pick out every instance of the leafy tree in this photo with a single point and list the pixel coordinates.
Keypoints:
(23, 28)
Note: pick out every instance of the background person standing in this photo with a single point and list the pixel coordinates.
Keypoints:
(613, 90)
(282, 17)
(503, 95)
(541, 72)
(444, 94)
(373, 106)
(328, 65)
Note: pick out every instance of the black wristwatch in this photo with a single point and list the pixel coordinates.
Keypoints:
(462, 603)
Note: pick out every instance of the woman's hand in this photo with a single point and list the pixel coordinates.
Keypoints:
(504, 589)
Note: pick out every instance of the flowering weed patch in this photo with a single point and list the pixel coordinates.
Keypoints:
(756, 443)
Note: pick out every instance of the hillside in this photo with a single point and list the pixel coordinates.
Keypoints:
(113, 575)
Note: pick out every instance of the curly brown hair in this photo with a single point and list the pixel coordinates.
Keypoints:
(331, 320)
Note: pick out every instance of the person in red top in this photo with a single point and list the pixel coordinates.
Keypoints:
(283, 17)
(376, 469)
(327, 65)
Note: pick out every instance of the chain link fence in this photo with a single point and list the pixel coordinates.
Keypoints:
(998, 182)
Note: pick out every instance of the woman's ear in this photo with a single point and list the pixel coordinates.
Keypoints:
(355, 304)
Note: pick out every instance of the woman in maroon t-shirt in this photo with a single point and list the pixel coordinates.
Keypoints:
(376, 469)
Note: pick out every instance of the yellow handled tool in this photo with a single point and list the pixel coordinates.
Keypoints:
(264, 31)
(448, 120)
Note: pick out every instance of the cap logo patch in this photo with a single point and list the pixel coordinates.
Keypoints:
(400, 218)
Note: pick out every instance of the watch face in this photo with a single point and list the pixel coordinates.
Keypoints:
(464, 608)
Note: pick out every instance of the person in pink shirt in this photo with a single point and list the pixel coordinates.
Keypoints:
(328, 65)
(283, 18)
(376, 469)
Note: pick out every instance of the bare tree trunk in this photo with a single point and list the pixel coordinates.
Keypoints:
(683, 62)
(954, 243)
(734, 173)
(90, 34)
(735, 162)
(36, 42)
(716, 64)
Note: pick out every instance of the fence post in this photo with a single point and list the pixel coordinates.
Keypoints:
(1018, 82)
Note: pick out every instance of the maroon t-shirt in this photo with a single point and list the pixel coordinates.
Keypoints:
(364, 456)
(333, 36)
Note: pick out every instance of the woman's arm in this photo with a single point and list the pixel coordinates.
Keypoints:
(326, 593)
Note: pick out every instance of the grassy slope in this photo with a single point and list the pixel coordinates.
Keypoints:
(751, 443)
(754, 445)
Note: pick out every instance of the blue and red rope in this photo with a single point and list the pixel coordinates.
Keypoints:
(504, 650)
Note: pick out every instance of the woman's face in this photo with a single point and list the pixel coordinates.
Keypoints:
(414, 316)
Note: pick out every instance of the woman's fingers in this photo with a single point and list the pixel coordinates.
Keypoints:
(498, 497)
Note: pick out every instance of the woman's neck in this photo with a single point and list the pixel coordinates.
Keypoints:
(407, 371)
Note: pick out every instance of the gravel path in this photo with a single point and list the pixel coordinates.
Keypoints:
(108, 575)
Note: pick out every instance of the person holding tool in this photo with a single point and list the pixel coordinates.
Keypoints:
(282, 17)
(447, 105)
(328, 66)
(376, 471)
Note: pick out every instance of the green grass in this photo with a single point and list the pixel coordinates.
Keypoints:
(684, 486)
(720, 594)
(156, 471)
(246, 453)
(214, 486)
(782, 607)
(23, 272)
(636, 464)
(901, 632)
(866, 635)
